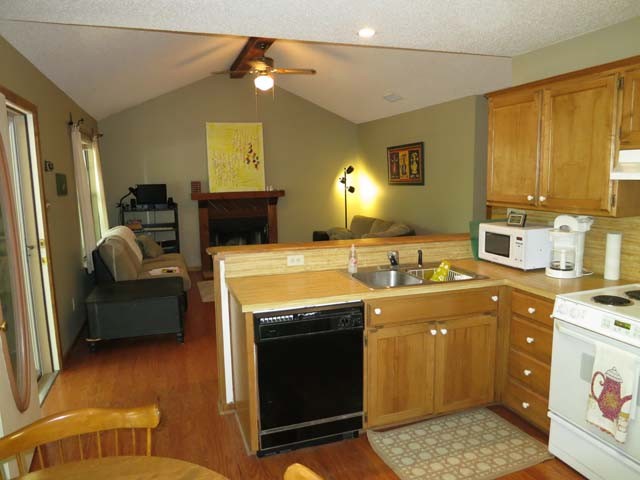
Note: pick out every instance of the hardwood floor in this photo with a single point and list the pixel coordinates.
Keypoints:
(182, 379)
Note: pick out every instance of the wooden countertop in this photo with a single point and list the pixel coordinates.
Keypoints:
(270, 292)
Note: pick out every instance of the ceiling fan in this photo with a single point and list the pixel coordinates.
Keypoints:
(261, 66)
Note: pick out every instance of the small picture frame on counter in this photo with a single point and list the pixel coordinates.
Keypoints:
(517, 219)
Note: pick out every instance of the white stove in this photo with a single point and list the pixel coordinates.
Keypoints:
(618, 317)
(581, 324)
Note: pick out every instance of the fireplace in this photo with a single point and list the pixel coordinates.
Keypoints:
(235, 218)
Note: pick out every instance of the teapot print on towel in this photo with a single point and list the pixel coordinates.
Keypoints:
(609, 400)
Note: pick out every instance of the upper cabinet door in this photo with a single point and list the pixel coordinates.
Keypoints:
(513, 151)
(578, 141)
(630, 125)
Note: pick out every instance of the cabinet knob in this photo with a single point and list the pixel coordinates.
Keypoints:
(434, 332)
(530, 340)
(530, 198)
(443, 331)
(531, 310)
(527, 372)
(525, 405)
(494, 298)
(377, 311)
(542, 198)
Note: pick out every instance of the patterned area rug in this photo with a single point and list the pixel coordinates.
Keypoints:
(477, 444)
(206, 291)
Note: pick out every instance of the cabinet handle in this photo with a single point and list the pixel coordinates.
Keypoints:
(531, 310)
(525, 405)
(542, 198)
(494, 298)
(527, 372)
(377, 311)
(434, 332)
(530, 198)
(443, 331)
(530, 340)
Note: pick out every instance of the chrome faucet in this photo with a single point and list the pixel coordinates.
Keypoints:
(419, 258)
(394, 259)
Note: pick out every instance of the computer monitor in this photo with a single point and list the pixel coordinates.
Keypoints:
(151, 194)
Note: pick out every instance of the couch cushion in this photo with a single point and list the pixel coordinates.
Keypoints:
(161, 262)
(116, 255)
(149, 247)
(361, 225)
(128, 236)
(396, 230)
(339, 233)
(380, 226)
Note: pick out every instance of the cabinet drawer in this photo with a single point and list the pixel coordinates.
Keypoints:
(532, 307)
(531, 339)
(527, 404)
(530, 372)
(416, 308)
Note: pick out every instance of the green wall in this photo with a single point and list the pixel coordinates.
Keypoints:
(602, 46)
(163, 141)
(454, 135)
(71, 282)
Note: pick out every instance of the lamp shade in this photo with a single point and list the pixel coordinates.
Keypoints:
(263, 82)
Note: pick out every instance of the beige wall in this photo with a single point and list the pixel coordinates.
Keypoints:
(20, 76)
(612, 43)
(163, 141)
(454, 136)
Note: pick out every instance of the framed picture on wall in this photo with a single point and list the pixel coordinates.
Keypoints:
(405, 164)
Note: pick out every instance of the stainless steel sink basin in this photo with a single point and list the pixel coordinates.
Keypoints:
(453, 276)
(387, 278)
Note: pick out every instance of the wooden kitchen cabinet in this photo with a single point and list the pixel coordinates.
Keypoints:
(434, 364)
(400, 373)
(552, 143)
(578, 144)
(514, 134)
(630, 121)
(465, 363)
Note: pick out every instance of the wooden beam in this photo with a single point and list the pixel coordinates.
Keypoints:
(254, 48)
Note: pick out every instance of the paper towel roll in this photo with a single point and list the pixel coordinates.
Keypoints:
(612, 256)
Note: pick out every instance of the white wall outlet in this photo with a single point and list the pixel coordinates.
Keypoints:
(295, 260)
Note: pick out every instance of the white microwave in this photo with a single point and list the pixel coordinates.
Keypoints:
(526, 248)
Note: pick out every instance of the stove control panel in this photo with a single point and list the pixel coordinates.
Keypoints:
(621, 327)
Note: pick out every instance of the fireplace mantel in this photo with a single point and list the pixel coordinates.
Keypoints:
(221, 206)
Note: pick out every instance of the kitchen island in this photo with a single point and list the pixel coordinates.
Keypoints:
(472, 320)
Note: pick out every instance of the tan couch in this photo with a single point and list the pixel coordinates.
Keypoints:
(124, 259)
(366, 227)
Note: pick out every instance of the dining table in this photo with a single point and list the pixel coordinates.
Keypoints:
(126, 468)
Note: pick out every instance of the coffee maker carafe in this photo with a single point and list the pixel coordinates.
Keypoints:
(567, 246)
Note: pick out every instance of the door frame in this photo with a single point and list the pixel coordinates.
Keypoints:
(24, 104)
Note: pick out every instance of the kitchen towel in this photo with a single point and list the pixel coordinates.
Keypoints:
(612, 396)
(612, 256)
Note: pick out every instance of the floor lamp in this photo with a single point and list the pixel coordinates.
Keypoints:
(350, 189)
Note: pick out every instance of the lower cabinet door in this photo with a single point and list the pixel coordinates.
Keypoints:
(465, 362)
(400, 373)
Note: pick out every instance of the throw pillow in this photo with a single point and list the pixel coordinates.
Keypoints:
(149, 247)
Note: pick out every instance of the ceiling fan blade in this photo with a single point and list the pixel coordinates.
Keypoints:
(228, 72)
(294, 71)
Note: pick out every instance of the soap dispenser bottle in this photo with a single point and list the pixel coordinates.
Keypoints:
(352, 265)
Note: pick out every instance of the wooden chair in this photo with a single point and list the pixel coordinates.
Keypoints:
(296, 471)
(76, 423)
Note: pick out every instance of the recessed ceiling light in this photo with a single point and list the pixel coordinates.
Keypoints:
(392, 97)
(366, 32)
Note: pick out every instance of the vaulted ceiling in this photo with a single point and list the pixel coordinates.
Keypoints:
(109, 56)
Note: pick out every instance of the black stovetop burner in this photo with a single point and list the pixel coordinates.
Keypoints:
(612, 300)
(635, 294)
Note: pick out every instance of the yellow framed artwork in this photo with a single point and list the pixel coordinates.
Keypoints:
(235, 157)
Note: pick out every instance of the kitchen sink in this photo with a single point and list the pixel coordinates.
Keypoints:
(387, 278)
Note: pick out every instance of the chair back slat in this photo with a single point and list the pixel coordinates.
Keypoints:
(77, 423)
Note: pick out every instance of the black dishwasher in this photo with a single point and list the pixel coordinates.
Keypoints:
(309, 375)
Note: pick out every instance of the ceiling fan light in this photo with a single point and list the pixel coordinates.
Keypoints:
(263, 82)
